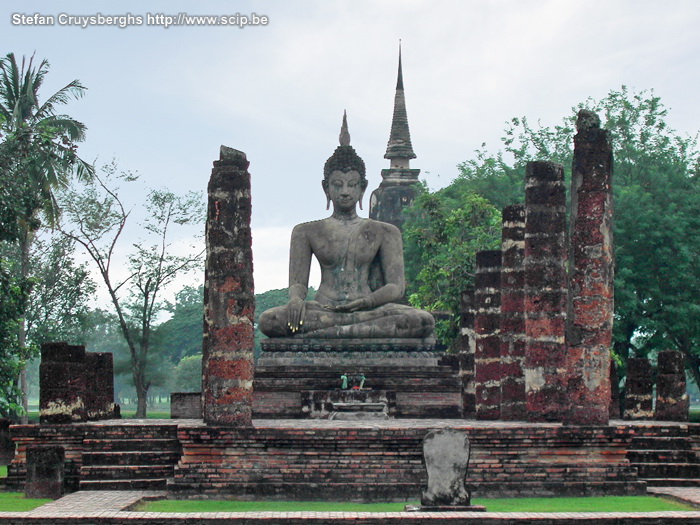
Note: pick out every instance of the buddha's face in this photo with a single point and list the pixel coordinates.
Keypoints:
(344, 189)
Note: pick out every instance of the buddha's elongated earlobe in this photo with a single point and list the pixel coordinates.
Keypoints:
(328, 203)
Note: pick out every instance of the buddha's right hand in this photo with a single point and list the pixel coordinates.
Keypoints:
(296, 312)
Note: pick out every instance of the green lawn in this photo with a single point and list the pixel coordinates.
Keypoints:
(598, 504)
(695, 414)
(3, 471)
(16, 502)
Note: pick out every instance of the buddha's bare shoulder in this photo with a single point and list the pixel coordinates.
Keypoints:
(383, 227)
(305, 228)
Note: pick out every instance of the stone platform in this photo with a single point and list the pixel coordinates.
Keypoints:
(299, 378)
(354, 460)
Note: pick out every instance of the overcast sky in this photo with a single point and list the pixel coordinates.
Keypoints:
(162, 100)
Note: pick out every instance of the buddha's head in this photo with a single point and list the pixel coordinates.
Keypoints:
(344, 167)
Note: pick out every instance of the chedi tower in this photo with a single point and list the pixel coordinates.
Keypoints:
(396, 189)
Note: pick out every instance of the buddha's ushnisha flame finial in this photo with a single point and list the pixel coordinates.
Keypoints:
(344, 133)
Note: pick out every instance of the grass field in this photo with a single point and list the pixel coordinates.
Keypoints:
(599, 504)
(16, 502)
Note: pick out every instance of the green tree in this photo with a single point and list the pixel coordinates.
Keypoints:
(181, 335)
(443, 231)
(97, 218)
(188, 374)
(58, 307)
(13, 297)
(43, 146)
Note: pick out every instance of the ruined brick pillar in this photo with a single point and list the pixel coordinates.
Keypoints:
(545, 291)
(672, 403)
(487, 321)
(62, 383)
(513, 401)
(99, 383)
(229, 301)
(466, 346)
(638, 389)
(591, 266)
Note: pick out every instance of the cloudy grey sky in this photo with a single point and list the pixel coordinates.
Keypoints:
(162, 100)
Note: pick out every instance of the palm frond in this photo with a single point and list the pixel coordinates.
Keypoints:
(73, 90)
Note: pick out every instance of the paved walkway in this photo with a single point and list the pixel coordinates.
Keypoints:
(94, 503)
(109, 507)
(689, 495)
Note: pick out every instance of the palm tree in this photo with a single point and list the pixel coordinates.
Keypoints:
(43, 146)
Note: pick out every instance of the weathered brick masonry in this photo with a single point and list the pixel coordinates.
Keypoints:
(487, 320)
(512, 332)
(672, 401)
(639, 388)
(466, 349)
(227, 363)
(590, 302)
(382, 461)
(75, 385)
(363, 464)
(545, 291)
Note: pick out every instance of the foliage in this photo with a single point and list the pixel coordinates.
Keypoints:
(13, 297)
(58, 305)
(656, 197)
(443, 231)
(38, 155)
(97, 217)
(43, 142)
(181, 335)
(188, 374)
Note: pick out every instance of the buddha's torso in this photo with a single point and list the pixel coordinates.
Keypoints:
(345, 251)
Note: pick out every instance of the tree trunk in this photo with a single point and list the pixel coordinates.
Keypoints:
(141, 392)
(25, 241)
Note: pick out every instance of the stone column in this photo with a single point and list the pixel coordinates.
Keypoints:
(229, 301)
(638, 389)
(672, 403)
(466, 347)
(590, 302)
(513, 401)
(545, 291)
(487, 321)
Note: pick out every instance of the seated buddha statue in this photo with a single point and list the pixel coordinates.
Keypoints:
(362, 268)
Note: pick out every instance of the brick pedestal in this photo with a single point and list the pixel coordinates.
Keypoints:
(227, 363)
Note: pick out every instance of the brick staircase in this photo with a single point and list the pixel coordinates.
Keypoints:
(129, 457)
(668, 457)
